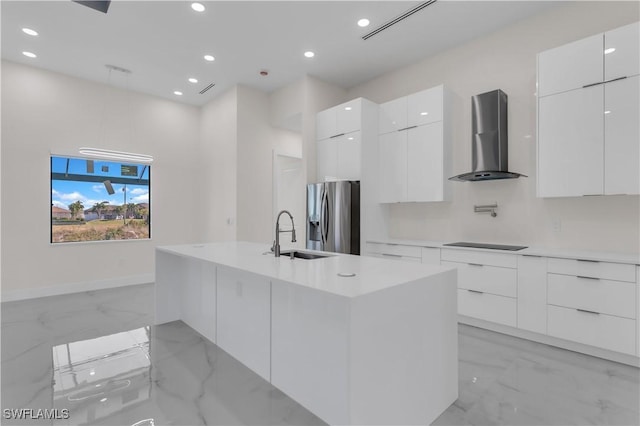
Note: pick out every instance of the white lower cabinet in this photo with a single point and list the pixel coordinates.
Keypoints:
(431, 255)
(486, 279)
(395, 251)
(488, 307)
(244, 318)
(532, 293)
(604, 331)
(199, 297)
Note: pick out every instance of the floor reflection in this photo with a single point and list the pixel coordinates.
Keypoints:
(95, 378)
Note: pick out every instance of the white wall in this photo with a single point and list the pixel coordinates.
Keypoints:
(257, 139)
(506, 60)
(216, 161)
(44, 113)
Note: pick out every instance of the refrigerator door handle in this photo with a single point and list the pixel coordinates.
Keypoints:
(323, 217)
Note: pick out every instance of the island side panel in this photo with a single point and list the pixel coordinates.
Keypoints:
(170, 273)
(309, 349)
(244, 318)
(199, 297)
(404, 352)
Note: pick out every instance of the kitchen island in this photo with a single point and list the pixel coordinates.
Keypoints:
(354, 339)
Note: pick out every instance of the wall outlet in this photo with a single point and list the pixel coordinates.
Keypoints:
(556, 225)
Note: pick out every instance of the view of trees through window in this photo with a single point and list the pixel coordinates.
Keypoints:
(94, 200)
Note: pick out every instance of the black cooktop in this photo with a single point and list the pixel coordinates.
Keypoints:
(486, 246)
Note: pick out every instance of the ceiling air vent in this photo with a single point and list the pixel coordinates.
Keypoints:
(397, 19)
(207, 88)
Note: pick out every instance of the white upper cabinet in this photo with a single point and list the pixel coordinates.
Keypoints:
(571, 66)
(424, 107)
(392, 116)
(341, 119)
(393, 168)
(414, 155)
(622, 136)
(588, 127)
(570, 145)
(339, 157)
(622, 52)
(424, 163)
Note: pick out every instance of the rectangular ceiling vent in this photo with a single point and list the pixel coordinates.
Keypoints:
(207, 88)
(397, 19)
(100, 6)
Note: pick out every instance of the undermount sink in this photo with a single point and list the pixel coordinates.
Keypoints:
(303, 255)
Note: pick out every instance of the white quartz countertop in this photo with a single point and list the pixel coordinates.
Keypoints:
(596, 255)
(371, 274)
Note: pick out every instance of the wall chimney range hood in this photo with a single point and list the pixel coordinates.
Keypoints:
(489, 140)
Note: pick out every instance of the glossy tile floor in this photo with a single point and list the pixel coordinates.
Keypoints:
(97, 355)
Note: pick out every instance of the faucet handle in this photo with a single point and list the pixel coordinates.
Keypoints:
(273, 247)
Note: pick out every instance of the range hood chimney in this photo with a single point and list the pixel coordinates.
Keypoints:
(489, 140)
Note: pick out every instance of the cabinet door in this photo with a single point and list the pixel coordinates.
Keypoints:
(622, 136)
(424, 163)
(625, 59)
(244, 316)
(327, 156)
(532, 293)
(424, 107)
(348, 117)
(326, 124)
(349, 156)
(571, 66)
(393, 167)
(392, 115)
(570, 143)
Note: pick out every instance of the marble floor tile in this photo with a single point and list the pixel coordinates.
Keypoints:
(98, 355)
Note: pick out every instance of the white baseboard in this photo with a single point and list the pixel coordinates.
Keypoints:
(56, 290)
(552, 341)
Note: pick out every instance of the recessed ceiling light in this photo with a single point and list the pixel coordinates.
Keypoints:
(29, 54)
(347, 108)
(424, 113)
(193, 80)
(103, 399)
(364, 22)
(609, 50)
(309, 54)
(209, 58)
(198, 7)
(30, 31)
(177, 93)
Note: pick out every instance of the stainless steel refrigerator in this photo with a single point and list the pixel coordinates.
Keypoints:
(333, 216)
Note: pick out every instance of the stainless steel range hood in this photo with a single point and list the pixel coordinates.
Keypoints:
(489, 156)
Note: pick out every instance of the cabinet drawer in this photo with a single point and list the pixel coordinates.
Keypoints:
(603, 296)
(586, 268)
(488, 279)
(431, 255)
(394, 249)
(395, 257)
(480, 257)
(605, 331)
(487, 307)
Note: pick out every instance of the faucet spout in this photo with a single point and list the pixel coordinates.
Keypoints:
(276, 243)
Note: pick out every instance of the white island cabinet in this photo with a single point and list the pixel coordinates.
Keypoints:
(377, 346)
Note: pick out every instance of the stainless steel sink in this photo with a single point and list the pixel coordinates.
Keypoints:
(303, 255)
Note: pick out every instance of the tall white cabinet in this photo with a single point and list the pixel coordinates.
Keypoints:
(414, 149)
(588, 108)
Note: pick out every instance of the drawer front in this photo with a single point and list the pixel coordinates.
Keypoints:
(487, 307)
(603, 296)
(431, 255)
(396, 257)
(395, 249)
(586, 268)
(487, 279)
(480, 257)
(604, 331)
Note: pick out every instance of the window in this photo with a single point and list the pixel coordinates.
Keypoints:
(94, 200)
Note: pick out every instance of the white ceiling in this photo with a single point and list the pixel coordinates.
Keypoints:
(163, 42)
